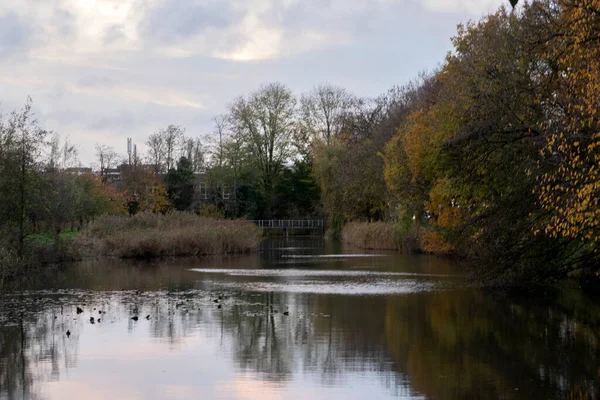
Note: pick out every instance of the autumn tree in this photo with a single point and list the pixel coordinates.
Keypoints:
(144, 190)
(569, 185)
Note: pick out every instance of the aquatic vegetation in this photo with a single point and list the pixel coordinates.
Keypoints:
(172, 234)
(375, 235)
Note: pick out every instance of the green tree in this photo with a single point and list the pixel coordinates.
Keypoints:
(180, 184)
(22, 143)
(265, 122)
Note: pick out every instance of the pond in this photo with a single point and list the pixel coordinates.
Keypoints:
(301, 319)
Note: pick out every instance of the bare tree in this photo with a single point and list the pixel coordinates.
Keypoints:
(107, 157)
(324, 111)
(165, 147)
(194, 152)
(156, 151)
(220, 131)
(61, 192)
(173, 138)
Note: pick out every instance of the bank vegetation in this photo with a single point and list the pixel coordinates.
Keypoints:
(173, 234)
(493, 158)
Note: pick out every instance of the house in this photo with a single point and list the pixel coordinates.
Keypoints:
(78, 170)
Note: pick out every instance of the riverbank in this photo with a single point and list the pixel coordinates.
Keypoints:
(148, 235)
(144, 235)
(378, 236)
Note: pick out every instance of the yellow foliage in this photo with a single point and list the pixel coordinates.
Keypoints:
(158, 199)
(433, 242)
(446, 213)
(571, 192)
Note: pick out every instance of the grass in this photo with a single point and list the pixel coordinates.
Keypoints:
(375, 236)
(173, 234)
(40, 249)
(49, 237)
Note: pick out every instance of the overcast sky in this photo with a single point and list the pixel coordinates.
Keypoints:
(100, 71)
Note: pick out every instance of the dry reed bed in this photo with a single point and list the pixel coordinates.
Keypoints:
(373, 235)
(172, 234)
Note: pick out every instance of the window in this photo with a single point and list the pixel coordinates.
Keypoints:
(202, 191)
(225, 193)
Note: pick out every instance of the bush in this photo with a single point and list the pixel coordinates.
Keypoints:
(173, 234)
(10, 264)
(211, 211)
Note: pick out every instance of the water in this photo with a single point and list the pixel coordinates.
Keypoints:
(301, 320)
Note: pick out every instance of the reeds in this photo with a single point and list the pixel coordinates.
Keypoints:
(374, 235)
(172, 234)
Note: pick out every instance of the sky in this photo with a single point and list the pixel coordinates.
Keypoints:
(100, 71)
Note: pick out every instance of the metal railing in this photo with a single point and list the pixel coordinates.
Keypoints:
(290, 223)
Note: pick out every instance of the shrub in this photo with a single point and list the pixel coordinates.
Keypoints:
(10, 264)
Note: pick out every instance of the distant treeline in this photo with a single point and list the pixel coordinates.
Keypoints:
(493, 158)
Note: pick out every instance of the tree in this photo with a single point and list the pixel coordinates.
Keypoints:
(165, 147)
(143, 190)
(22, 143)
(569, 185)
(60, 194)
(96, 198)
(265, 121)
(156, 152)
(180, 184)
(107, 158)
(220, 133)
(194, 152)
(325, 112)
(173, 138)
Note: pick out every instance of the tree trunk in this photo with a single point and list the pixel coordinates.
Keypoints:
(22, 201)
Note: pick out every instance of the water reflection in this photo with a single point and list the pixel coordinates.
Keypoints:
(205, 329)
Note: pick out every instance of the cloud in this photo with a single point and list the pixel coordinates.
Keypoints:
(170, 21)
(113, 33)
(473, 7)
(103, 70)
(15, 35)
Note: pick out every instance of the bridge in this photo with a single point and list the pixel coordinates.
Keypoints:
(287, 224)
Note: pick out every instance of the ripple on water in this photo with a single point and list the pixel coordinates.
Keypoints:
(350, 287)
(331, 255)
(341, 282)
(310, 273)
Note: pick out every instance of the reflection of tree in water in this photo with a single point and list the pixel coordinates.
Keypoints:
(460, 344)
(450, 344)
(312, 338)
(463, 345)
(34, 347)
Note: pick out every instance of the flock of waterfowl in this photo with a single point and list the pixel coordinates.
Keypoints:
(93, 321)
